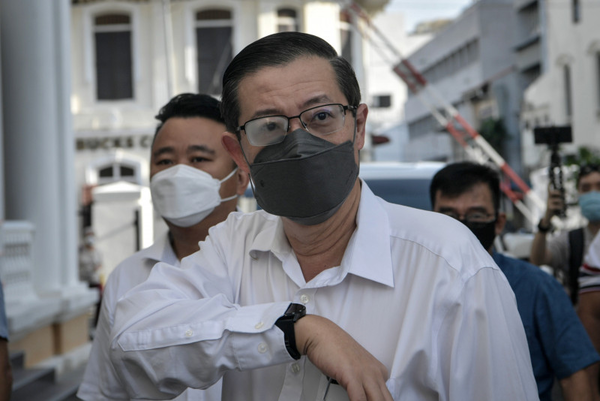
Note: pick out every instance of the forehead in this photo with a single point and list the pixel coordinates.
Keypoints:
(591, 178)
(180, 132)
(289, 88)
(479, 195)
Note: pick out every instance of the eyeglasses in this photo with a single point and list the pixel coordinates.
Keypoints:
(473, 218)
(321, 120)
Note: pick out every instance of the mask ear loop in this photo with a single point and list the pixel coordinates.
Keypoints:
(225, 179)
(248, 163)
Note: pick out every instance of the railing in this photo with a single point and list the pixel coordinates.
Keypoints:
(16, 261)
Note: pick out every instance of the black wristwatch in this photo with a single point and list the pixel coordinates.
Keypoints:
(286, 322)
(544, 229)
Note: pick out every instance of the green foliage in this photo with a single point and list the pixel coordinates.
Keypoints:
(584, 156)
(494, 132)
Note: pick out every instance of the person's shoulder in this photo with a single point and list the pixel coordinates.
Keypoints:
(130, 272)
(521, 268)
(440, 235)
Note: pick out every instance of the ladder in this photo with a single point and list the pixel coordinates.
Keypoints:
(476, 147)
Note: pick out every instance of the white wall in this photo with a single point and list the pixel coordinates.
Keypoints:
(576, 45)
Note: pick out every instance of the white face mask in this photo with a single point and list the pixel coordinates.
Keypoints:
(185, 195)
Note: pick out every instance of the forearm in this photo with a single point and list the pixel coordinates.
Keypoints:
(539, 254)
(588, 311)
(589, 314)
(578, 387)
(221, 337)
(6, 376)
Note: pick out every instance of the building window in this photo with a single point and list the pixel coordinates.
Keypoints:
(287, 20)
(114, 76)
(116, 171)
(382, 101)
(213, 39)
(576, 8)
(568, 98)
(346, 35)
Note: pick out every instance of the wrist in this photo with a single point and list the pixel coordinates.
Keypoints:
(286, 324)
(544, 226)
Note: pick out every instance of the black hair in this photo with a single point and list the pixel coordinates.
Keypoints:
(458, 178)
(586, 170)
(188, 105)
(276, 50)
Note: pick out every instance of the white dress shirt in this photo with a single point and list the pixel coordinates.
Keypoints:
(99, 381)
(415, 288)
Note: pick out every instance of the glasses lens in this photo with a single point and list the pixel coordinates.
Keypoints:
(323, 120)
(266, 131)
(477, 217)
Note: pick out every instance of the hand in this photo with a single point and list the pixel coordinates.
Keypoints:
(554, 205)
(339, 356)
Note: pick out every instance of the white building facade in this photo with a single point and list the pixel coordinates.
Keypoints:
(564, 50)
(387, 92)
(471, 64)
(46, 304)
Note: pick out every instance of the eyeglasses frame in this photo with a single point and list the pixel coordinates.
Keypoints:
(344, 109)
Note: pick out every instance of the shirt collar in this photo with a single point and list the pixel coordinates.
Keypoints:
(161, 251)
(367, 254)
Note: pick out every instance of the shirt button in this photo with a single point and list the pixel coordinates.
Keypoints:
(304, 298)
(262, 348)
(295, 368)
(259, 325)
(189, 333)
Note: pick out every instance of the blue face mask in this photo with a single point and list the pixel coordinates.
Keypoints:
(590, 205)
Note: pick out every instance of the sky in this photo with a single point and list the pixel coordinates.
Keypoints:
(416, 11)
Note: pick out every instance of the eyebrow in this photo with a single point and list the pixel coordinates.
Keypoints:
(200, 148)
(191, 148)
(469, 210)
(315, 101)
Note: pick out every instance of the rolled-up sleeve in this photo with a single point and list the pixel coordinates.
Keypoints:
(182, 328)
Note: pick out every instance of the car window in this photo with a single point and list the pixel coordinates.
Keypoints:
(407, 192)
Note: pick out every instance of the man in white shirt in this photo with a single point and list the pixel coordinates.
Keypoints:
(186, 164)
(328, 292)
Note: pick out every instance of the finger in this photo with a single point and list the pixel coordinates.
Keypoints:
(356, 392)
(378, 391)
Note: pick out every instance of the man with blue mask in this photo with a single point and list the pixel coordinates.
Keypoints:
(558, 344)
(328, 292)
(194, 185)
(564, 252)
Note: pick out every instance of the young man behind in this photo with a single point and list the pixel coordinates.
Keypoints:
(565, 251)
(558, 344)
(195, 185)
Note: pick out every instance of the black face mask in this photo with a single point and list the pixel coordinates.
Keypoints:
(304, 178)
(485, 232)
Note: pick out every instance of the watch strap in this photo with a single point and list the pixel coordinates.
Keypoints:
(286, 323)
(542, 228)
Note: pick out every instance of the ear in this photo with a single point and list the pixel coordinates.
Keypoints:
(361, 125)
(500, 223)
(232, 145)
(242, 181)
